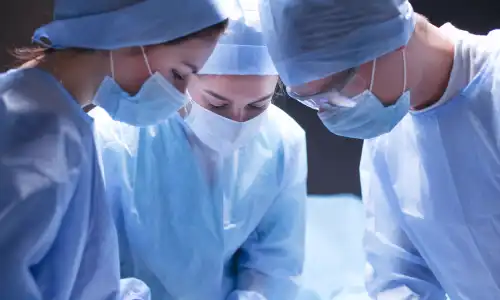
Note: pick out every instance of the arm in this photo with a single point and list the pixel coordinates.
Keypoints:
(395, 268)
(272, 258)
(33, 185)
(113, 157)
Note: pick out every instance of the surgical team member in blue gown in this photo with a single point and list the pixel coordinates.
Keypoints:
(430, 177)
(219, 213)
(57, 239)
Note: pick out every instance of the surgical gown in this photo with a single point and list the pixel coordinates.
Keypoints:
(57, 239)
(432, 192)
(195, 225)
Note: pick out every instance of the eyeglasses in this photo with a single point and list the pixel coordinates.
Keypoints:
(337, 93)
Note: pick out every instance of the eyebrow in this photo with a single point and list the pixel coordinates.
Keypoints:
(220, 97)
(193, 68)
(264, 98)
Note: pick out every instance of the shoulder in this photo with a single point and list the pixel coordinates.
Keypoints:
(38, 138)
(293, 148)
(378, 153)
(117, 137)
(34, 109)
(32, 99)
(284, 128)
(291, 139)
(104, 126)
(482, 49)
(113, 135)
(491, 40)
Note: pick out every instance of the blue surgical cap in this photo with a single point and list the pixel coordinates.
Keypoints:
(242, 50)
(113, 24)
(311, 39)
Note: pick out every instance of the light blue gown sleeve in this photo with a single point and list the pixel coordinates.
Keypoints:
(113, 157)
(395, 268)
(35, 186)
(272, 258)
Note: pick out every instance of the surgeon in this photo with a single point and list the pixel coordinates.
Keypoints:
(134, 58)
(209, 204)
(427, 102)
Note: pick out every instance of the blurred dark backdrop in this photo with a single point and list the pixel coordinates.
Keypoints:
(333, 161)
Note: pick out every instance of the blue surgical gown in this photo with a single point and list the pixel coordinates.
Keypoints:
(57, 239)
(168, 192)
(432, 193)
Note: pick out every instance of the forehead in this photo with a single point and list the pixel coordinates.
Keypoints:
(234, 81)
(252, 86)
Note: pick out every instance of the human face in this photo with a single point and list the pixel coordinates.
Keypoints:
(236, 97)
(176, 62)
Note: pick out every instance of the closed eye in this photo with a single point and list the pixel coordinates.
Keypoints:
(260, 104)
(219, 106)
(177, 76)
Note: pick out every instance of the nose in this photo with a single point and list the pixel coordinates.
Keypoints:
(238, 114)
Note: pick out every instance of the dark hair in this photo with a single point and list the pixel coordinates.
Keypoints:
(280, 88)
(26, 54)
(88, 108)
(38, 52)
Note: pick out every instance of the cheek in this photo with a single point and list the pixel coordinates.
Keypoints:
(357, 85)
(162, 59)
(388, 87)
(131, 74)
(166, 70)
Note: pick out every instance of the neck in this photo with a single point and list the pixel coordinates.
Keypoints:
(433, 54)
(76, 73)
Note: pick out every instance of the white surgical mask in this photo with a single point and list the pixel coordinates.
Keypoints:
(219, 133)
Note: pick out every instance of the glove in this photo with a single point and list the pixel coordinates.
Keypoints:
(134, 289)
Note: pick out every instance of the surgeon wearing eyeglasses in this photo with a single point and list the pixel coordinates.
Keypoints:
(426, 100)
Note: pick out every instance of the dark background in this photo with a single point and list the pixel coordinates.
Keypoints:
(333, 161)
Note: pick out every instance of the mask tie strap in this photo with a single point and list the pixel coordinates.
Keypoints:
(147, 61)
(404, 70)
(111, 64)
(373, 74)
